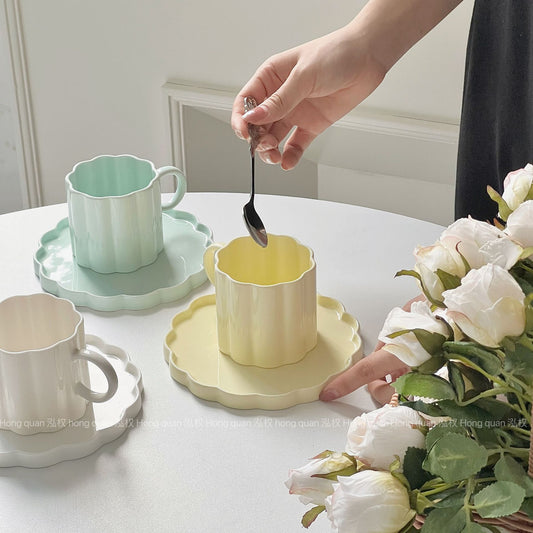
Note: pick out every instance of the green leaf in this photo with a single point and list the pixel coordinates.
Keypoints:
(472, 527)
(332, 476)
(478, 381)
(324, 454)
(449, 281)
(442, 429)
(430, 409)
(498, 409)
(424, 385)
(415, 274)
(527, 507)
(499, 499)
(456, 499)
(412, 467)
(485, 359)
(486, 437)
(431, 365)
(503, 207)
(468, 415)
(431, 342)
(455, 457)
(508, 469)
(445, 520)
(421, 502)
(456, 379)
(309, 517)
(409, 528)
(412, 273)
(520, 362)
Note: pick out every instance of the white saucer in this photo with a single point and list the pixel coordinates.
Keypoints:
(177, 270)
(191, 349)
(101, 423)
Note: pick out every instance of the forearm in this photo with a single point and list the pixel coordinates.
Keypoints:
(392, 27)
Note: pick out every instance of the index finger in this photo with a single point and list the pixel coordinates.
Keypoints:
(374, 366)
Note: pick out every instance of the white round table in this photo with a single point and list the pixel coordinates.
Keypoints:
(188, 465)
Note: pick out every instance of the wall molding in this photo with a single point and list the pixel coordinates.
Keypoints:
(179, 95)
(26, 139)
(408, 147)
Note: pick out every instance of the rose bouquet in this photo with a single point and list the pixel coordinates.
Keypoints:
(453, 456)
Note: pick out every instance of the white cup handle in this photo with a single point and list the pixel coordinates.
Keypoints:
(109, 372)
(181, 188)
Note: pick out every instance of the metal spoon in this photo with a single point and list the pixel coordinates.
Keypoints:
(254, 224)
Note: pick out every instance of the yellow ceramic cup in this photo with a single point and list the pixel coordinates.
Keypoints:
(265, 300)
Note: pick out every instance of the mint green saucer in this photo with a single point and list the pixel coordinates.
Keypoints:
(177, 270)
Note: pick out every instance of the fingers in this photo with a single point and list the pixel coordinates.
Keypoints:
(266, 81)
(375, 366)
(381, 391)
(282, 101)
(268, 148)
(295, 146)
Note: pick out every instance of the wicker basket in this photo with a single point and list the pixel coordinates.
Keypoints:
(518, 522)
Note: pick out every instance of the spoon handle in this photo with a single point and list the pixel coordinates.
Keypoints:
(253, 130)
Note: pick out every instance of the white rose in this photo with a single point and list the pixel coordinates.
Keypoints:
(481, 243)
(369, 502)
(488, 305)
(429, 259)
(406, 347)
(377, 437)
(316, 489)
(516, 186)
(520, 224)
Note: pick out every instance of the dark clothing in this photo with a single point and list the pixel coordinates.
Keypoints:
(496, 133)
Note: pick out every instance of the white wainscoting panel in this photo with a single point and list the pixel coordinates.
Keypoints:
(425, 200)
(397, 164)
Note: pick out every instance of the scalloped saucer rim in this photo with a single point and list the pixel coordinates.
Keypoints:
(331, 314)
(94, 295)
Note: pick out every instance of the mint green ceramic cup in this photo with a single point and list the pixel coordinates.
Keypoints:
(115, 211)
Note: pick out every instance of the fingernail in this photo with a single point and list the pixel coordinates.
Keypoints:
(329, 395)
(249, 115)
(268, 160)
(239, 134)
(254, 114)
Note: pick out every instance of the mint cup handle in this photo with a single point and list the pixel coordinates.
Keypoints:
(209, 261)
(109, 372)
(181, 188)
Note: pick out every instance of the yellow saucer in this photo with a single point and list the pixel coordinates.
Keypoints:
(191, 349)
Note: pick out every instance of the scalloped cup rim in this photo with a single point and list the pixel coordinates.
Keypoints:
(79, 323)
(312, 263)
(107, 197)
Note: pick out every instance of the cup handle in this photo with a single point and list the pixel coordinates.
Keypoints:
(209, 261)
(109, 372)
(181, 188)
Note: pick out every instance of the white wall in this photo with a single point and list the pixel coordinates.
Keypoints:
(10, 192)
(96, 68)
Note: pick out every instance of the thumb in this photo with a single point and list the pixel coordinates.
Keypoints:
(280, 103)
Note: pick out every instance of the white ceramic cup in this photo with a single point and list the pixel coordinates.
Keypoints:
(265, 300)
(44, 373)
(115, 211)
